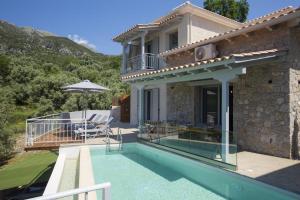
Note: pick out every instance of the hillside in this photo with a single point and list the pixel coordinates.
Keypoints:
(35, 64)
(27, 40)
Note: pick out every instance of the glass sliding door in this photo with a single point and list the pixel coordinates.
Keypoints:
(210, 99)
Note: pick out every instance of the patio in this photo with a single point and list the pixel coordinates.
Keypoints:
(43, 139)
(279, 172)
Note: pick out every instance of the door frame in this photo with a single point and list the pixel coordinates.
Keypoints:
(218, 87)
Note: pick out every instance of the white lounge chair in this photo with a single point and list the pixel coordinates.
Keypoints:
(97, 131)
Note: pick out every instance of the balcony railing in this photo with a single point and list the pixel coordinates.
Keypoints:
(152, 61)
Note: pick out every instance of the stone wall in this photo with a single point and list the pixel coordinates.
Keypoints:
(261, 110)
(254, 41)
(180, 103)
(266, 107)
(294, 87)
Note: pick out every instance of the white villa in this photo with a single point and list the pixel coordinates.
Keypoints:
(197, 68)
(203, 88)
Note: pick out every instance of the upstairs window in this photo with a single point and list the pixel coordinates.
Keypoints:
(173, 40)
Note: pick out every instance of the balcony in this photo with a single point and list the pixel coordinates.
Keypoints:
(149, 62)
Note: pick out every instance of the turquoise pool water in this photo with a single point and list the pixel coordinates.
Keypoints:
(147, 173)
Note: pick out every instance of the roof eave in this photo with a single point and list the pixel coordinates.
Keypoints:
(235, 32)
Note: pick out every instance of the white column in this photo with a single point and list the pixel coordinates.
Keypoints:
(225, 120)
(143, 63)
(141, 106)
(124, 59)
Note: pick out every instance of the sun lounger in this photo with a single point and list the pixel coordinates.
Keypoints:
(93, 131)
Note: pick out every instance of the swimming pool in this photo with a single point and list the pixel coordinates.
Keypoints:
(144, 172)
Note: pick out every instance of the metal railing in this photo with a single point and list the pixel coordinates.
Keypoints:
(119, 138)
(41, 130)
(105, 187)
(135, 63)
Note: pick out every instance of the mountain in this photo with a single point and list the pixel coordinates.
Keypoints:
(35, 64)
(26, 40)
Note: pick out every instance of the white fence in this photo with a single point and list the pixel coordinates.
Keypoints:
(105, 187)
(67, 127)
(53, 131)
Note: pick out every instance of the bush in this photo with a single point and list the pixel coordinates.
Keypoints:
(7, 143)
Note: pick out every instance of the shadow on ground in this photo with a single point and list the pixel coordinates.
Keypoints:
(34, 188)
(287, 178)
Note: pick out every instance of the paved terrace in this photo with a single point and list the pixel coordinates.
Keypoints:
(280, 172)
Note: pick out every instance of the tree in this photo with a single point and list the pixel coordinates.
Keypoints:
(4, 67)
(7, 140)
(233, 9)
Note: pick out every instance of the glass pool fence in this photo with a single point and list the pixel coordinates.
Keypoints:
(211, 144)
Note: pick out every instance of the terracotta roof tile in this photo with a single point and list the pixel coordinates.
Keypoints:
(250, 24)
(143, 26)
(269, 15)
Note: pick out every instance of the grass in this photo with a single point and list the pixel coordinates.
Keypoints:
(18, 119)
(26, 169)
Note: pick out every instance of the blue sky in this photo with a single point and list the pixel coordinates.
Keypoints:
(96, 21)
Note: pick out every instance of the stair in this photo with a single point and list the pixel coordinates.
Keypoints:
(119, 138)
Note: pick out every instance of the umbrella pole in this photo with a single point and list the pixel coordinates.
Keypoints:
(85, 126)
(85, 123)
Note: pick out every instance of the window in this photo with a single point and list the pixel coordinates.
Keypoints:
(173, 40)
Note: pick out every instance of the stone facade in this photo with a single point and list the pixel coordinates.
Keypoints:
(254, 41)
(180, 104)
(294, 91)
(266, 104)
(261, 111)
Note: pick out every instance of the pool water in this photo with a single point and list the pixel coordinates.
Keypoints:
(143, 172)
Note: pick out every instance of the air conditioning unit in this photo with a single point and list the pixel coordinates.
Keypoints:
(205, 52)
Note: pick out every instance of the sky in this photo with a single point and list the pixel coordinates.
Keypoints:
(95, 22)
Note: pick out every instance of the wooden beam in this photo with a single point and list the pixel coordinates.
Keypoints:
(228, 40)
(269, 28)
(198, 71)
(228, 66)
(206, 69)
(245, 35)
(183, 73)
(169, 76)
(294, 22)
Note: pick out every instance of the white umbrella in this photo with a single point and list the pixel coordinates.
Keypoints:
(85, 87)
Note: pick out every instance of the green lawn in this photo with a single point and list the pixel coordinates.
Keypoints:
(27, 168)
